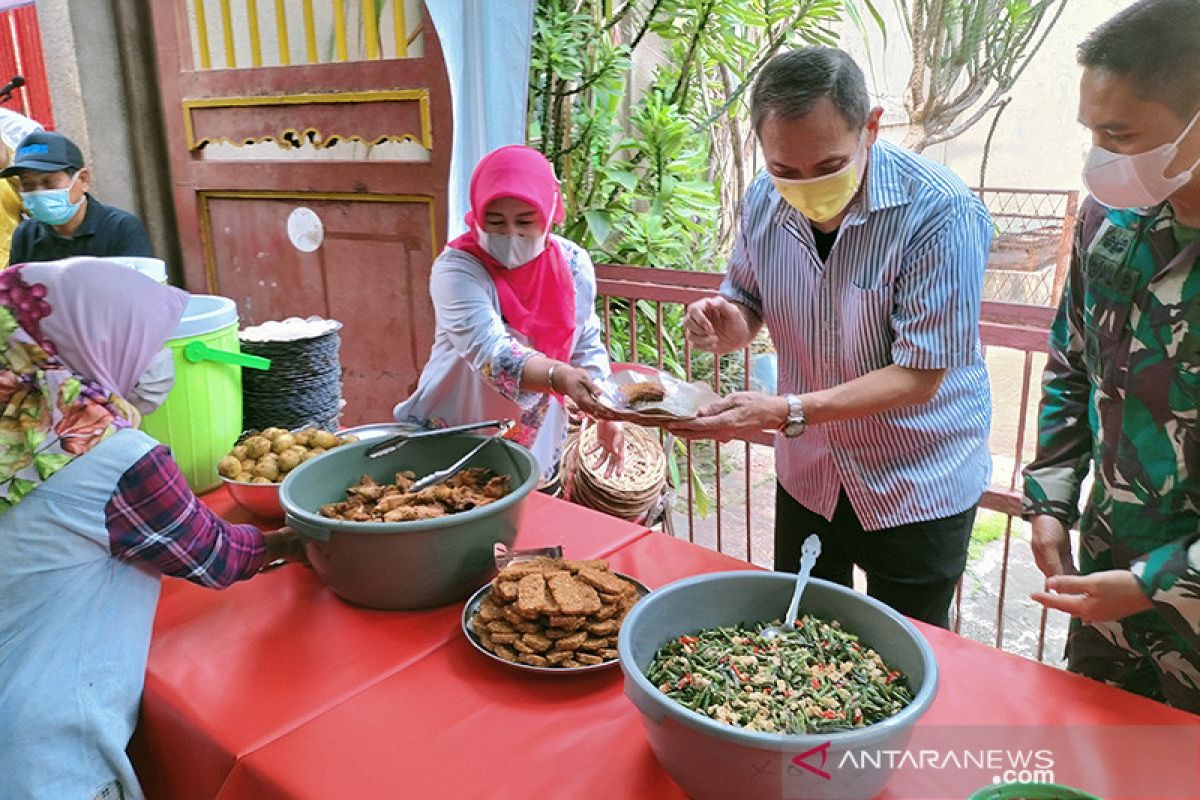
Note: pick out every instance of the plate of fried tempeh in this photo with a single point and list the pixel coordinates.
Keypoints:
(552, 615)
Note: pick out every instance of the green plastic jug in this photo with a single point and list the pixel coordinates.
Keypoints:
(201, 418)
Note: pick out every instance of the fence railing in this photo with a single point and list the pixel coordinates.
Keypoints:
(736, 480)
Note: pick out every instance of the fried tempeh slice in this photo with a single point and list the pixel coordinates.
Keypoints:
(506, 652)
(558, 656)
(588, 659)
(505, 591)
(514, 572)
(538, 642)
(567, 623)
(571, 642)
(533, 660)
(643, 392)
(606, 628)
(532, 599)
(521, 647)
(489, 611)
(573, 595)
(604, 582)
(594, 644)
(609, 653)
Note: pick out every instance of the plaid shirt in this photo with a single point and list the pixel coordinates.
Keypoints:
(154, 519)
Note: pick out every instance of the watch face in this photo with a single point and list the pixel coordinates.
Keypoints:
(793, 429)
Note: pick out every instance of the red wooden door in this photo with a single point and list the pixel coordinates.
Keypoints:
(334, 117)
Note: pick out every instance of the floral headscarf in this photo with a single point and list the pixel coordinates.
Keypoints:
(75, 336)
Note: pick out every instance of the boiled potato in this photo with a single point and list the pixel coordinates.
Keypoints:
(248, 464)
(244, 477)
(349, 439)
(262, 480)
(229, 466)
(290, 460)
(267, 469)
(257, 446)
(282, 442)
(239, 452)
(273, 433)
(304, 437)
(325, 439)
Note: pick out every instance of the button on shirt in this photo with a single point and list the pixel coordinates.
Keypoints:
(901, 286)
(104, 232)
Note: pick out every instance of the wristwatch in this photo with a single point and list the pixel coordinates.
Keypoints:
(795, 423)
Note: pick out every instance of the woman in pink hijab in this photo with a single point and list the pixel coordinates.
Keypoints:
(92, 513)
(516, 322)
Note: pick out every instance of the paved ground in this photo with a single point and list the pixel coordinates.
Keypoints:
(1021, 618)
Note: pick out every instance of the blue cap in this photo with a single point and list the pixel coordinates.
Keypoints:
(43, 151)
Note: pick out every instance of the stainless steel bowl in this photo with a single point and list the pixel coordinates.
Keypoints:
(259, 499)
(472, 608)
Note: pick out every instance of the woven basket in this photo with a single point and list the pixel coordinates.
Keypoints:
(629, 495)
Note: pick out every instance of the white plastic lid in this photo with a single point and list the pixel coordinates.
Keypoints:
(154, 268)
(206, 313)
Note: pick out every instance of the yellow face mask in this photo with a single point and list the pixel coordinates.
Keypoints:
(821, 199)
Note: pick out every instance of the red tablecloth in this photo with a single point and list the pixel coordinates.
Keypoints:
(277, 689)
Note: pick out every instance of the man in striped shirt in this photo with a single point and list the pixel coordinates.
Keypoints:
(866, 263)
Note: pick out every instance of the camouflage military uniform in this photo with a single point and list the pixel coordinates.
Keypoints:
(1121, 394)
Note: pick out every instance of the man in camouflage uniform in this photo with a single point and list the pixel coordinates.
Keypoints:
(1122, 384)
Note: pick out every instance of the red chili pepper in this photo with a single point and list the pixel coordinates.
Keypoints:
(829, 714)
(688, 640)
(766, 690)
(738, 672)
(816, 683)
(892, 676)
(686, 680)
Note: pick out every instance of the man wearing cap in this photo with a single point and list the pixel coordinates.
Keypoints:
(65, 220)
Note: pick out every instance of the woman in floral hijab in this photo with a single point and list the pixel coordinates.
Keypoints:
(92, 512)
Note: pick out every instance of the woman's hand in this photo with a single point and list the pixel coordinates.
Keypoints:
(284, 545)
(609, 451)
(576, 383)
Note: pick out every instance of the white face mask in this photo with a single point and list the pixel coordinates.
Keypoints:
(155, 383)
(513, 250)
(1139, 180)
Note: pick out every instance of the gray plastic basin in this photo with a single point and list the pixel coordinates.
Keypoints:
(405, 565)
(709, 759)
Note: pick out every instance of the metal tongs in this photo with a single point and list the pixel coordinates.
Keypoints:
(394, 443)
(434, 478)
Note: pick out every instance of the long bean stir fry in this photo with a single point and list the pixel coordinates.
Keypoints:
(812, 678)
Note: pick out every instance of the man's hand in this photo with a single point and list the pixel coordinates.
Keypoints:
(1052, 546)
(1100, 597)
(717, 325)
(739, 414)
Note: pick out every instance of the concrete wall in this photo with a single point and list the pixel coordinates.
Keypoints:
(1038, 143)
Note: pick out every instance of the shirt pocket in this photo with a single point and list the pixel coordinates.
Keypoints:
(866, 329)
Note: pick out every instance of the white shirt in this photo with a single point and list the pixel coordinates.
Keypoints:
(474, 369)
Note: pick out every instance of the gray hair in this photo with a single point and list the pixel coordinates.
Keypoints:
(1155, 44)
(792, 83)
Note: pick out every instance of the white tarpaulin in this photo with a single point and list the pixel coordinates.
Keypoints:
(486, 47)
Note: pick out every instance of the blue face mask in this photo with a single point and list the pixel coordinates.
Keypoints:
(52, 206)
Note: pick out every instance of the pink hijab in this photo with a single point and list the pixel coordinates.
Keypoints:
(538, 298)
(75, 336)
